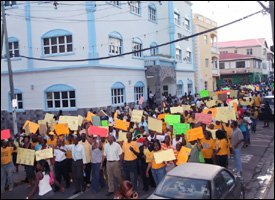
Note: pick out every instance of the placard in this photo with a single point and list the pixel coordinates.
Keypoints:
(234, 94)
(96, 121)
(194, 134)
(49, 117)
(43, 129)
(136, 116)
(44, 154)
(33, 127)
(204, 118)
(5, 134)
(211, 103)
(204, 93)
(80, 120)
(183, 155)
(161, 116)
(120, 124)
(89, 116)
(72, 122)
(178, 109)
(99, 131)
(25, 156)
(172, 119)
(164, 155)
(186, 107)
(122, 136)
(225, 114)
(154, 125)
(213, 110)
(179, 129)
(61, 129)
(104, 123)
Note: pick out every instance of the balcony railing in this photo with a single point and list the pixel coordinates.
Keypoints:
(215, 72)
(159, 60)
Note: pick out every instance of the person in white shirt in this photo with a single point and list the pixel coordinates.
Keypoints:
(60, 164)
(79, 158)
(113, 154)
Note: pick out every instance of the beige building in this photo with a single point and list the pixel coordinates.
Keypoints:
(206, 54)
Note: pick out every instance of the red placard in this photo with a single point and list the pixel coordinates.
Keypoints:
(95, 130)
(5, 134)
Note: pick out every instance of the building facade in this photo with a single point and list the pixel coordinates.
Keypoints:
(206, 54)
(74, 35)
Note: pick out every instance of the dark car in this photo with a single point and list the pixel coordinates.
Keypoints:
(199, 181)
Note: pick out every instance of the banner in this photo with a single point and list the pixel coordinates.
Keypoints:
(172, 119)
(122, 136)
(44, 154)
(96, 121)
(204, 93)
(165, 155)
(61, 129)
(154, 125)
(225, 114)
(43, 129)
(183, 155)
(179, 129)
(32, 126)
(5, 134)
(194, 134)
(178, 109)
(120, 124)
(99, 131)
(25, 156)
(136, 115)
(204, 118)
(211, 103)
(49, 118)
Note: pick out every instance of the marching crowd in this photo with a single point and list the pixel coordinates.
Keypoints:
(90, 161)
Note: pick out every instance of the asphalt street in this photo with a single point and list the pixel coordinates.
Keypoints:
(257, 159)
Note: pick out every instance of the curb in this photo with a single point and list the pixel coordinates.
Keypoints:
(268, 186)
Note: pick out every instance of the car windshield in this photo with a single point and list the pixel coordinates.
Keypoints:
(183, 188)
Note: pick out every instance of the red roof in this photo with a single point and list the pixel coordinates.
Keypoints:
(234, 56)
(242, 43)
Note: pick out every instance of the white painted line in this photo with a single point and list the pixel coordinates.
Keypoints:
(75, 195)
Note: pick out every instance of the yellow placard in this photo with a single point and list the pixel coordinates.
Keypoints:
(183, 155)
(33, 127)
(25, 156)
(225, 114)
(155, 125)
(80, 120)
(186, 107)
(44, 154)
(211, 103)
(72, 122)
(120, 124)
(41, 122)
(61, 129)
(49, 117)
(165, 155)
(89, 116)
(213, 110)
(178, 109)
(194, 134)
(122, 136)
(136, 115)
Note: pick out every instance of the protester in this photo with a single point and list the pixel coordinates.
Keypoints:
(221, 148)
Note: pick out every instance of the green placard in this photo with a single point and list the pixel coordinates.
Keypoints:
(226, 88)
(180, 129)
(172, 119)
(104, 123)
(204, 93)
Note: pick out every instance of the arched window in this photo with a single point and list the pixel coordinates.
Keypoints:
(179, 88)
(115, 43)
(13, 47)
(57, 41)
(152, 13)
(137, 45)
(60, 96)
(118, 93)
(135, 7)
(154, 51)
(139, 91)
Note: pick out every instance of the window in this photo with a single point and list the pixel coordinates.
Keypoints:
(139, 91)
(137, 45)
(152, 12)
(165, 90)
(222, 52)
(13, 47)
(10, 3)
(205, 39)
(249, 52)
(118, 93)
(235, 51)
(154, 51)
(179, 35)
(219, 186)
(214, 63)
(115, 43)
(60, 96)
(180, 88)
(206, 61)
(115, 3)
(187, 23)
(190, 87)
(188, 56)
(178, 54)
(222, 65)
(177, 18)
(228, 179)
(57, 42)
(135, 7)
(240, 64)
(205, 85)
(18, 97)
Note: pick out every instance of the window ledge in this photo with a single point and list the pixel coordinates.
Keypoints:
(57, 55)
(63, 109)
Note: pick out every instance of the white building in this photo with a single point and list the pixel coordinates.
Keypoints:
(88, 30)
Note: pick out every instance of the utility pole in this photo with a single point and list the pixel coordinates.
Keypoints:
(15, 130)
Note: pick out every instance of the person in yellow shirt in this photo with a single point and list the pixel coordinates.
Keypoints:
(158, 170)
(191, 119)
(218, 125)
(52, 141)
(221, 148)
(227, 128)
(208, 146)
(130, 151)
(258, 101)
(7, 166)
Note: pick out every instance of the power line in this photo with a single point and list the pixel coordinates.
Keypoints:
(145, 49)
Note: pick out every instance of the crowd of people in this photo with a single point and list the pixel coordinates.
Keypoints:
(93, 162)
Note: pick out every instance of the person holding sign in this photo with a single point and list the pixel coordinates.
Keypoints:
(7, 166)
(208, 146)
(158, 170)
(221, 148)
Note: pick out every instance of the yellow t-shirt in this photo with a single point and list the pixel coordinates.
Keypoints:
(208, 147)
(228, 131)
(69, 152)
(258, 101)
(218, 126)
(52, 143)
(6, 155)
(147, 153)
(153, 162)
(128, 154)
(223, 145)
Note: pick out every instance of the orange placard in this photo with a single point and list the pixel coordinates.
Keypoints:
(183, 155)
(213, 110)
(161, 116)
(120, 124)
(61, 129)
(89, 116)
(194, 134)
(33, 127)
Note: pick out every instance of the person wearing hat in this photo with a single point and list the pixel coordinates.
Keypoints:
(7, 167)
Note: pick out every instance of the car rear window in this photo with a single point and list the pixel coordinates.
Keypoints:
(183, 188)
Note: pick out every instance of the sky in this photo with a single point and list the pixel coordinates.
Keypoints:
(257, 26)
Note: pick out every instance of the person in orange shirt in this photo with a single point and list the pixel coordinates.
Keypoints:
(208, 146)
(130, 151)
(221, 148)
(158, 170)
(228, 130)
(218, 125)
(258, 101)
(52, 141)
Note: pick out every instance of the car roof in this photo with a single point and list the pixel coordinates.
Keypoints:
(196, 170)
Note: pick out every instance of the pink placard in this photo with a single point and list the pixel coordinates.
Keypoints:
(204, 118)
(5, 134)
(95, 130)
